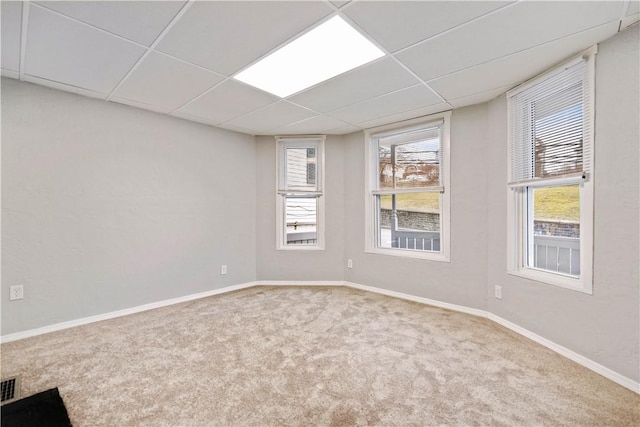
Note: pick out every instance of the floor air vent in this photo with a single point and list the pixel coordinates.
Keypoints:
(10, 389)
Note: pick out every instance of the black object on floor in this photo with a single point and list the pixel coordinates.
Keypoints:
(44, 409)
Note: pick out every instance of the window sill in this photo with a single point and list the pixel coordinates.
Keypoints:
(408, 253)
(567, 282)
(300, 248)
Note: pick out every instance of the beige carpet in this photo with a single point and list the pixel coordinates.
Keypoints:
(311, 356)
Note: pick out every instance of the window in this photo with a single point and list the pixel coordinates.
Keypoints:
(300, 198)
(408, 189)
(551, 177)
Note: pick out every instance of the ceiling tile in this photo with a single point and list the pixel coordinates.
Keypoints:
(519, 67)
(64, 87)
(512, 29)
(237, 129)
(629, 20)
(69, 52)
(393, 103)
(406, 115)
(366, 82)
(476, 61)
(155, 108)
(340, 3)
(209, 122)
(140, 21)
(479, 98)
(314, 125)
(271, 117)
(398, 27)
(166, 82)
(228, 101)
(227, 36)
(11, 12)
(192, 118)
(344, 130)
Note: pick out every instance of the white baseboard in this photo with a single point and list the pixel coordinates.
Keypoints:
(299, 283)
(569, 354)
(111, 315)
(435, 303)
(578, 358)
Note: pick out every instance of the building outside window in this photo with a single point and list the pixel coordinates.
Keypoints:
(300, 198)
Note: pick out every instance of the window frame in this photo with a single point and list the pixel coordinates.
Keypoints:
(282, 144)
(372, 180)
(519, 214)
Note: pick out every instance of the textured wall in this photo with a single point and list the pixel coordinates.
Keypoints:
(461, 281)
(275, 264)
(602, 326)
(106, 207)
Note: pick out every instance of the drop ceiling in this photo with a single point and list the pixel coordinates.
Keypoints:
(179, 57)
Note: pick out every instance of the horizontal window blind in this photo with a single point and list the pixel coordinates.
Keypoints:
(548, 131)
(413, 158)
(429, 131)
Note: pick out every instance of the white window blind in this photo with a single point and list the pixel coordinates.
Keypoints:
(411, 159)
(549, 128)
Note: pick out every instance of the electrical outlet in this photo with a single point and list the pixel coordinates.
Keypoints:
(349, 263)
(16, 292)
(223, 269)
(498, 292)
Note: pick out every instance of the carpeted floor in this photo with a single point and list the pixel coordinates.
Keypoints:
(311, 356)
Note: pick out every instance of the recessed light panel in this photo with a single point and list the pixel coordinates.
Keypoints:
(324, 52)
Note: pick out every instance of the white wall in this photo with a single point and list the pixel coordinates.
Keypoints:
(106, 207)
(461, 281)
(602, 326)
(304, 265)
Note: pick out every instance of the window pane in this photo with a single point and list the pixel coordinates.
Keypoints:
(550, 125)
(409, 221)
(409, 165)
(558, 132)
(419, 164)
(554, 230)
(385, 167)
(301, 220)
(301, 168)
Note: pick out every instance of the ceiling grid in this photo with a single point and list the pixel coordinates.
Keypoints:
(180, 57)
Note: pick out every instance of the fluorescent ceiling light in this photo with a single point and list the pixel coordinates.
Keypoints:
(324, 52)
